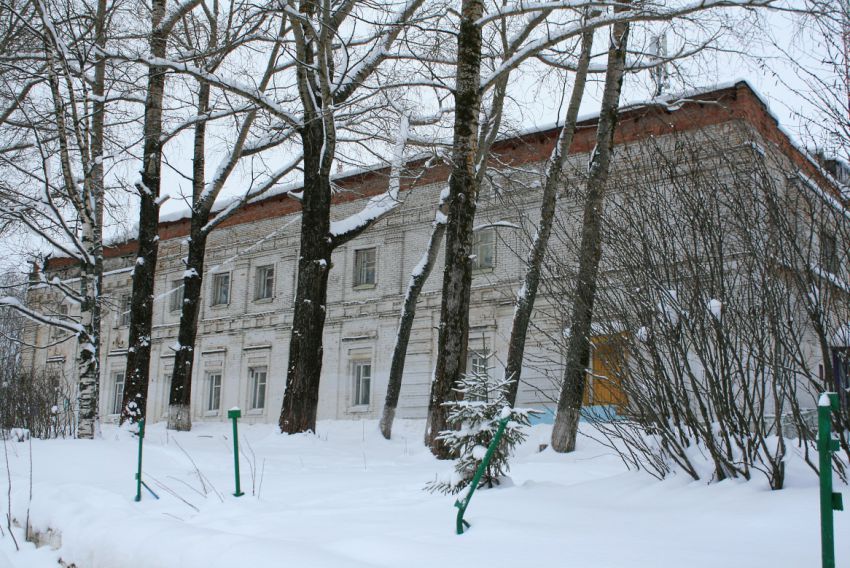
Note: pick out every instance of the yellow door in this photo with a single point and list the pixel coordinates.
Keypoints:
(606, 380)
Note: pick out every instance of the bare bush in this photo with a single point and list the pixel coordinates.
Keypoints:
(706, 308)
(41, 403)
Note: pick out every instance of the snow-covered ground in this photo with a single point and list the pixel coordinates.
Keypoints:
(348, 498)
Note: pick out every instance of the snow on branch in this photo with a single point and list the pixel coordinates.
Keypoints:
(235, 87)
(643, 13)
(525, 8)
(354, 77)
(378, 206)
(497, 224)
(38, 317)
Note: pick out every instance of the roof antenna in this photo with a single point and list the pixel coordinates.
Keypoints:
(658, 51)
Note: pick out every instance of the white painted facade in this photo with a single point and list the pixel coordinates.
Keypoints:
(243, 340)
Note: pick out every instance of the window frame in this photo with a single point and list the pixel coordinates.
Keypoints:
(125, 306)
(175, 304)
(477, 244)
(216, 288)
(360, 276)
(118, 401)
(254, 384)
(264, 283)
(213, 387)
(357, 391)
(478, 360)
(828, 251)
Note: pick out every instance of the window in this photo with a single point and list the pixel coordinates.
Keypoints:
(828, 252)
(364, 267)
(175, 299)
(479, 362)
(214, 394)
(362, 373)
(118, 392)
(484, 249)
(258, 387)
(124, 313)
(220, 289)
(264, 283)
(57, 332)
(479, 367)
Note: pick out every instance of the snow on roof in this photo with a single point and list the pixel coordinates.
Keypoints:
(672, 101)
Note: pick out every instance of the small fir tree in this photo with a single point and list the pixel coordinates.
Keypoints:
(481, 405)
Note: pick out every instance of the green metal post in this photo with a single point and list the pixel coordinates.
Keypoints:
(139, 471)
(476, 479)
(829, 500)
(234, 414)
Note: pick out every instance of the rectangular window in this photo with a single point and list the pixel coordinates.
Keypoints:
(258, 387)
(57, 332)
(175, 298)
(118, 392)
(124, 311)
(214, 394)
(479, 362)
(220, 289)
(362, 373)
(364, 267)
(264, 283)
(484, 249)
(828, 252)
(479, 367)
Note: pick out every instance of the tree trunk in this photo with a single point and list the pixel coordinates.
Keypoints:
(554, 173)
(92, 279)
(301, 398)
(180, 397)
(578, 347)
(408, 313)
(463, 196)
(141, 306)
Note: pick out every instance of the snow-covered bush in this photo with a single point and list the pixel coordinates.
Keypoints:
(481, 406)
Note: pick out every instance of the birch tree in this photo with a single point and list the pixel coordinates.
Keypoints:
(60, 119)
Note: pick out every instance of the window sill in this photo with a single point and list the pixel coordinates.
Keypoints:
(263, 300)
(365, 286)
(254, 411)
(360, 409)
(211, 413)
(218, 306)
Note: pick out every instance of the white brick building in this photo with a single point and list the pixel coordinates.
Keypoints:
(245, 318)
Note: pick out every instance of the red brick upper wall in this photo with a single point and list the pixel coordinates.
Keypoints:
(737, 102)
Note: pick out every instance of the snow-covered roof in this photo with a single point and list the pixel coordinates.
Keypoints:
(671, 102)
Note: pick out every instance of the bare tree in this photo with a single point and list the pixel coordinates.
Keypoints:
(701, 321)
(162, 23)
(62, 125)
(326, 92)
(226, 32)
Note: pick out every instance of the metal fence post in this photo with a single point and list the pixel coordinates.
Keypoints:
(829, 500)
(463, 504)
(139, 482)
(234, 414)
(139, 470)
